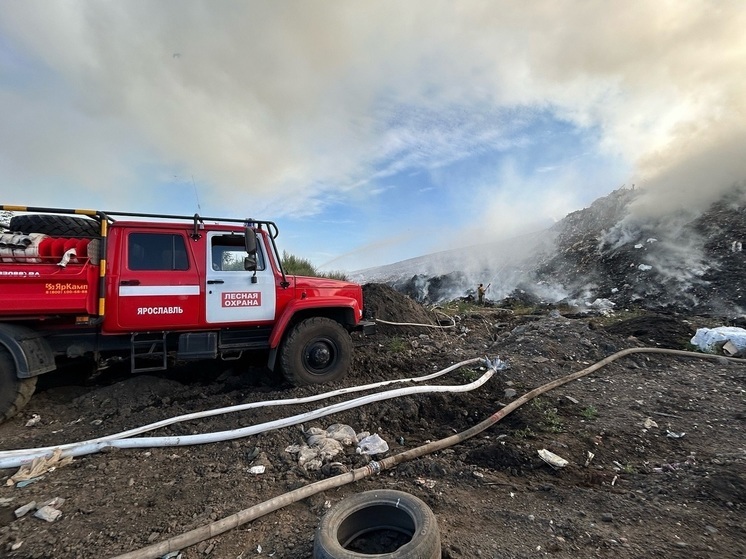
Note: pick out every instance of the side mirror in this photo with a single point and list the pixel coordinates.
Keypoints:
(250, 240)
(249, 263)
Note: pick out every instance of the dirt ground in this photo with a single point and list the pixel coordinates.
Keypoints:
(655, 446)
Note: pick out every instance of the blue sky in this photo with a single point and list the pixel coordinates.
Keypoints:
(370, 132)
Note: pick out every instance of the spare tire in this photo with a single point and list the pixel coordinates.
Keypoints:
(55, 225)
(374, 516)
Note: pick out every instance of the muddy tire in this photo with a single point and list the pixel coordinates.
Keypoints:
(55, 225)
(14, 392)
(366, 514)
(317, 350)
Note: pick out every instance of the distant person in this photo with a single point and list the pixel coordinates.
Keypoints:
(480, 294)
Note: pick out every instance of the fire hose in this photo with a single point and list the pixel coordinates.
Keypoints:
(15, 458)
(244, 516)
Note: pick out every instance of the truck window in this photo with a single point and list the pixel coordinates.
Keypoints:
(228, 253)
(156, 251)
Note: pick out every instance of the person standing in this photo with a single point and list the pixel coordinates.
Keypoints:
(480, 294)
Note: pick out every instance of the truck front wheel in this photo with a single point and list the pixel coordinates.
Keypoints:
(14, 392)
(317, 350)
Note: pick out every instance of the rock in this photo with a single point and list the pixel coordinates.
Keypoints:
(607, 517)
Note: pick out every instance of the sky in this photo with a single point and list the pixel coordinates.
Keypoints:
(371, 132)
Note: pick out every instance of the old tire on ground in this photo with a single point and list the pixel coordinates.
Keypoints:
(14, 392)
(55, 225)
(365, 514)
(316, 350)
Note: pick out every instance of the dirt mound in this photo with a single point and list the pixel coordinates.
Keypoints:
(389, 305)
(657, 330)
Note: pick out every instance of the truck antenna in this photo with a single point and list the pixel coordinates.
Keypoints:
(196, 194)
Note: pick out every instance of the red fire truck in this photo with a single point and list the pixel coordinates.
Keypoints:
(156, 290)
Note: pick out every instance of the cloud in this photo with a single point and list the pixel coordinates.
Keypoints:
(295, 103)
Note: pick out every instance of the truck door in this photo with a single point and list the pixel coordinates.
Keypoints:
(158, 286)
(235, 295)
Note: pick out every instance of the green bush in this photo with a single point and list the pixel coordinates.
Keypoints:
(296, 266)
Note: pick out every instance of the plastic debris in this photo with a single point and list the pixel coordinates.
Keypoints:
(649, 423)
(672, 435)
(590, 457)
(26, 482)
(25, 509)
(39, 466)
(48, 513)
(552, 459)
(35, 419)
(644, 267)
(373, 444)
(713, 340)
(256, 470)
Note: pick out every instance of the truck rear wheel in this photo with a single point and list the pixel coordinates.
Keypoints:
(55, 225)
(14, 392)
(317, 350)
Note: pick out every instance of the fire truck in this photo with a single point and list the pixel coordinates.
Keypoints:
(157, 290)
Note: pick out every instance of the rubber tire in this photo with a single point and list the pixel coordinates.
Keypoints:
(385, 509)
(15, 392)
(318, 333)
(55, 225)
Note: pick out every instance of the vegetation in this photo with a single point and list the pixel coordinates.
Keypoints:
(589, 413)
(550, 418)
(397, 345)
(296, 266)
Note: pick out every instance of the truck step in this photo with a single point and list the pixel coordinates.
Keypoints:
(149, 348)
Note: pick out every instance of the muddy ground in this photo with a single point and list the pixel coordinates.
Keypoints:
(655, 446)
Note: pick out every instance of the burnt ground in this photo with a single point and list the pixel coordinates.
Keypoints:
(667, 477)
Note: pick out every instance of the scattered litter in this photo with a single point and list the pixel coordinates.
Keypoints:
(16, 546)
(713, 340)
(638, 245)
(48, 513)
(730, 349)
(590, 457)
(172, 555)
(644, 267)
(477, 474)
(372, 444)
(604, 306)
(25, 509)
(552, 459)
(672, 435)
(428, 483)
(43, 464)
(649, 424)
(26, 482)
(256, 470)
(35, 419)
